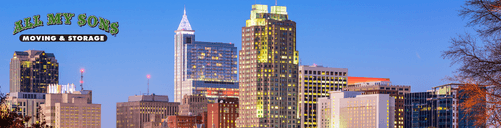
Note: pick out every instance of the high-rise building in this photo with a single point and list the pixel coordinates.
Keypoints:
(64, 110)
(25, 103)
(353, 110)
(32, 71)
(202, 67)
(385, 87)
(193, 105)
(316, 81)
(223, 113)
(268, 70)
(138, 110)
(439, 107)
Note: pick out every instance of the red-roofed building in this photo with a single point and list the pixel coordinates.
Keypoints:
(352, 80)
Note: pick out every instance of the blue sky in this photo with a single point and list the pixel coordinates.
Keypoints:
(400, 40)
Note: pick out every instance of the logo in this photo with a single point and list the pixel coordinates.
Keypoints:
(57, 19)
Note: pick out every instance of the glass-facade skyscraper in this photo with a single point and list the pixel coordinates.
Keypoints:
(33, 71)
(208, 68)
(268, 70)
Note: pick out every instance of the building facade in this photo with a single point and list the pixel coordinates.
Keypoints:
(268, 70)
(138, 110)
(196, 62)
(223, 113)
(32, 71)
(438, 107)
(177, 121)
(212, 90)
(26, 104)
(353, 110)
(193, 105)
(315, 82)
(385, 87)
(66, 110)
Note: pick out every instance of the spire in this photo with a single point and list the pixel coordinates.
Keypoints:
(185, 24)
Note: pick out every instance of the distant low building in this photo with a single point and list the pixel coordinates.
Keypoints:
(193, 105)
(138, 110)
(156, 122)
(25, 103)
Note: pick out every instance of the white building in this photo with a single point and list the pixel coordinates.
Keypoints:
(353, 110)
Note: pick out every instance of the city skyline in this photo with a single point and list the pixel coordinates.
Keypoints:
(109, 71)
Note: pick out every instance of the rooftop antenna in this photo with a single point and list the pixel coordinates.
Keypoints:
(275, 2)
(184, 9)
(81, 79)
(148, 76)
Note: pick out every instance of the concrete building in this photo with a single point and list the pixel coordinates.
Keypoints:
(385, 87)
(197, 64)
(268, 70)
(222, 114)
(193, 105)
(26, 104)
(199, 121)
(65, 110)
(354, 110)
(139, 108)
(32, 71)
(316, 81)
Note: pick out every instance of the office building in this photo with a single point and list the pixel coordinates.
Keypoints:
(202, 67)
(353, 110)
(32, 71)
(223, 113)
(193, 105)
(385, 87)
(65, 110)
(139, 108)
(26, 104)
(268, 70)
(178, 121)
(316, 81)
(439, 107)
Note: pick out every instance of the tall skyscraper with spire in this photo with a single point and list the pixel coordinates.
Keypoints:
(268, 70)
(203, 68)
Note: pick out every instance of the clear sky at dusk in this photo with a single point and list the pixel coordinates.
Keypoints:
(400, 40)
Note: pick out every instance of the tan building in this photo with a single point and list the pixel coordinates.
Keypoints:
(25, 103)
(156, 122)
(354, 110)
(385, 87)
(316, 81)
(68, 110)
(193, 105)
(138, 110)
(268, 70)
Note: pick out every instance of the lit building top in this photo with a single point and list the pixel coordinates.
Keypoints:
(55, 88)
(185, 24)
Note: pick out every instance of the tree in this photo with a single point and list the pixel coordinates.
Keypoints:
(480, 63)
